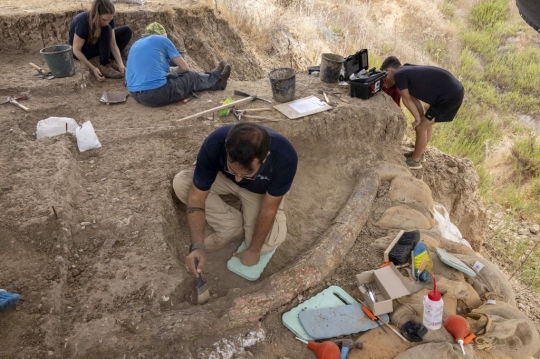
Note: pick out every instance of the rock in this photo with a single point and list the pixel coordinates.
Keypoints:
(534, 229)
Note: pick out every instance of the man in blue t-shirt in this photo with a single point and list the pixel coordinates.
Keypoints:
(252, 162)
(435, 86)
(152, 82)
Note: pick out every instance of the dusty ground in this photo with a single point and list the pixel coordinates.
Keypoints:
(105, 278)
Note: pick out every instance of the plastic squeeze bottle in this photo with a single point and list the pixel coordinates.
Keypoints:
(433, 308)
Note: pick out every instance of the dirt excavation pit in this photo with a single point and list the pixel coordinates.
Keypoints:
(104, 276)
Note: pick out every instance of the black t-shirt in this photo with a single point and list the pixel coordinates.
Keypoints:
(429, 84)
(80, 25)
(275, 176)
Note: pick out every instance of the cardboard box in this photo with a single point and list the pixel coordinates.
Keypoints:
(390, 285)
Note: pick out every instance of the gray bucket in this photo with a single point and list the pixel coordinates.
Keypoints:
(283, 83)
(59, 59)
(330, 67)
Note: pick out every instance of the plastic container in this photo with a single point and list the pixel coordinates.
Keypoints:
(331, 65)
(59, 59)
(283, 83)
(433, 308)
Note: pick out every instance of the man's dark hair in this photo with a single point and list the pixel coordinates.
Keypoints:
(246, 142)
(390, 62)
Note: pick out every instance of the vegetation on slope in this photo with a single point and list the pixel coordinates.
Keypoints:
(495, 59)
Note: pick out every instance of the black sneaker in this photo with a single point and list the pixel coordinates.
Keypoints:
(224, 76)
(410, 154)
(220, 66)
(412, 164)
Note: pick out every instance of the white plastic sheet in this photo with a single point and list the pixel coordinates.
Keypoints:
(54, 126)
(86, 137)
(446, 227)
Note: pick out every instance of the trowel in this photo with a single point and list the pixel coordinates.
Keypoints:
(41, 73)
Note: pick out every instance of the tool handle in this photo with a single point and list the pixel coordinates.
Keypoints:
(244, 100)
(395, 331)
(344, 352)
(16, 103)
(35, 66)
(368, 313)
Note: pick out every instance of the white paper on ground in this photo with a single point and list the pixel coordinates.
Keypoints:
(446, 227)
(86, 137)
(54, 126)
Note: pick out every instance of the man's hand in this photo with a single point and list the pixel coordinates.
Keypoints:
(249, 257)
(200, 254)
(415, 123)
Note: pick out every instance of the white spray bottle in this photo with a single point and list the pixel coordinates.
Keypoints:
(433, 308)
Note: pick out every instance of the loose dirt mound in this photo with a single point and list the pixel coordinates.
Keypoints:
(105, 278)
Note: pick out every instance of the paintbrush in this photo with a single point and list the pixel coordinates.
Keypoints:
(203, 294)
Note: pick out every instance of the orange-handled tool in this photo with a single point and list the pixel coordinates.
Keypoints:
(368, 312)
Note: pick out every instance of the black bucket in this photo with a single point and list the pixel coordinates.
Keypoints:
(330, 67)
(283, 83)
(59, 59)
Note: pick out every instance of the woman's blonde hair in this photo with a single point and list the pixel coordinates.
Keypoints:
(99, 7)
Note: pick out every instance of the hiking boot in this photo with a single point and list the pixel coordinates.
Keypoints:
(114, 65)
(109, 72)
(410, 154)
(224, 76)
(214, 243)
(221, 66)
(412, 164)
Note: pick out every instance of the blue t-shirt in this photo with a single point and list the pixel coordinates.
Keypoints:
(275, 176)
(80, 25)
(148, 63)
(429, 84)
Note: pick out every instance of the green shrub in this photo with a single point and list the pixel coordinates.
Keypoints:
(526, 153)
(488, 14)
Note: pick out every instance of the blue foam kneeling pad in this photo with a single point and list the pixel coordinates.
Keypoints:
(249, 272)
(332, 296)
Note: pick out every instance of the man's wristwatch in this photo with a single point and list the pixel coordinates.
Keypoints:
(194, 246)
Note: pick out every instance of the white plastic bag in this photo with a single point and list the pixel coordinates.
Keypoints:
(86, 137)
(446, 227)
(54, 126)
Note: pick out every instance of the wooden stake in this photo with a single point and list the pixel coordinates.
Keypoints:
(54, 210)
(229, 105)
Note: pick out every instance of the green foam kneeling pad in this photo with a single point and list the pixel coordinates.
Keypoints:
(249, 272)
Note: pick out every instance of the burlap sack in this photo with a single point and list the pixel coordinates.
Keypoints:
(388, 171)
(403, 217)
(406, 188)
(438, 351)
(490, 280)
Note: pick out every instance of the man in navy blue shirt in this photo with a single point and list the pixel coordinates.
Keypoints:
(257, 165)
(435, 86)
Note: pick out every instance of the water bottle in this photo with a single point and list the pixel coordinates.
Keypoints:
(433, 308)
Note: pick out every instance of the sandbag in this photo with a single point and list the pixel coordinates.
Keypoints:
(511, 332)
(439, 351)
(388, 171)
(403, 217)
(490, 280)
(406, 188)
